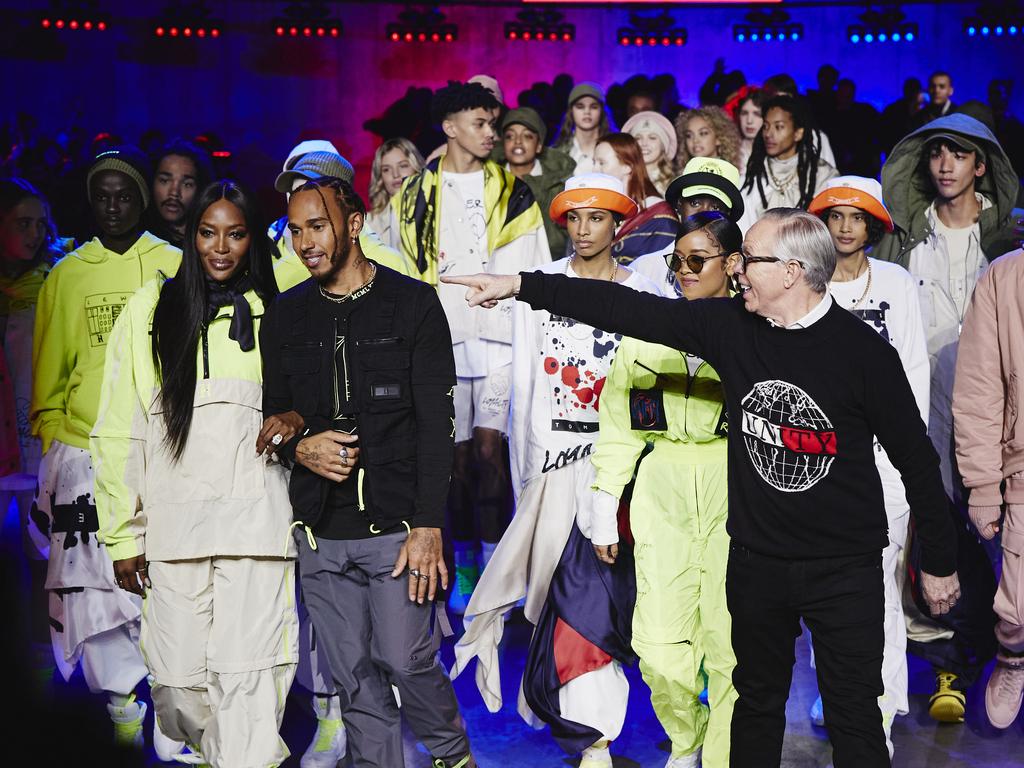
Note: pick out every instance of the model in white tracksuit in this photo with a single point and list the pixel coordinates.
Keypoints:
(219, 626)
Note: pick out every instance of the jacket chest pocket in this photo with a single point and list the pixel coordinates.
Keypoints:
(384, 368)
(301, 358)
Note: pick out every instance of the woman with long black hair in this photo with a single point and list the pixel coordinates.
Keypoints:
(785, 169)
(192, 506)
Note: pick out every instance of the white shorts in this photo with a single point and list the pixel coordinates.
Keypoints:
(482, 403)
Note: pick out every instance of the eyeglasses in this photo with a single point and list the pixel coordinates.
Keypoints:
(695, 263)
(745, 260)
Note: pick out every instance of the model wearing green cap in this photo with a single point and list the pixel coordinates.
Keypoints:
(586, 120)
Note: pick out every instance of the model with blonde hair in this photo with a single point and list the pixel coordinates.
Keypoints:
(394, 161)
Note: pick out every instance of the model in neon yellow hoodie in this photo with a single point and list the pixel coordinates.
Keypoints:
(78, 305)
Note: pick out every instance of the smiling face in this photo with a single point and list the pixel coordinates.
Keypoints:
(521, 145)
(849, 229)
(395, 167)
(586, 113)
(606, 161)
(23, 231)
(591, 231)
(750, 119)
(761, 283)
(223, 240)
(650, 146)
(472, 130)
(700, 138)
(781, 134)
(711, 279)
(174, 188)
(116, 203)
(313, 230)
(953, 169)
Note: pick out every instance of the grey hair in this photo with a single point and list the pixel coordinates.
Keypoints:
(801, 236)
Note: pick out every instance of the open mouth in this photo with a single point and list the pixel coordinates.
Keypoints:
(312, 262)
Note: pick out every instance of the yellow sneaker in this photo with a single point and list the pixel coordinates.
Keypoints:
(947, 705)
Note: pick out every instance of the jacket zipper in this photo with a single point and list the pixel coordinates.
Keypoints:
(206, 355)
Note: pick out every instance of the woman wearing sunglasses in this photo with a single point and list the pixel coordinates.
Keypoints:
(673, 401)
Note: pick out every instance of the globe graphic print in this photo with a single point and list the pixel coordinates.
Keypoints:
(789, 439)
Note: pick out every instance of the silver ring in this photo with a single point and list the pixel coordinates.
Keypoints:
(277, 439)
(414, 572)
(343, 452)
(422, 576)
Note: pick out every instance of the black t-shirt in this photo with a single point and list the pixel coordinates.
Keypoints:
(804, 407)
(342, 518)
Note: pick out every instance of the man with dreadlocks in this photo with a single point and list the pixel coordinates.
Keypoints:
(364, 355)
(460, 215)
(785, 169)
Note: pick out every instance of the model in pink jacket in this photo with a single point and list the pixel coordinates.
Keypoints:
(989, 430)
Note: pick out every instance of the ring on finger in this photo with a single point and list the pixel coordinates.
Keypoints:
(343, 452)
(277, 439)
(414, 572)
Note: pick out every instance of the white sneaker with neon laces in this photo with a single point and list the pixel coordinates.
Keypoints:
(597, 755)
(164, 746)
(330, 741)
(128, 718)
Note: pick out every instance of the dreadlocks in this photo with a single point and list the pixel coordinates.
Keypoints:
(808, 152)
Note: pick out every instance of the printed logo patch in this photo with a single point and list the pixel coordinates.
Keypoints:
(647, 410)
(101, 312)
(789, 439)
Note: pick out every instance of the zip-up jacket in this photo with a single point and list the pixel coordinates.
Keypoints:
(989, 386)
(403, 376)
(219, 499)
(651, 397)
(78, 304)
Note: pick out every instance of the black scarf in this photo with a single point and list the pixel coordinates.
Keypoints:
(232, 292)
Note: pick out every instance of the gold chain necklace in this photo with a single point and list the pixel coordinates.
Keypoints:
(780, 186)
(360, 291)
(611, 277)
(867, 289)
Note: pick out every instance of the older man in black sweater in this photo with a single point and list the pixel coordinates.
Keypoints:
(808, 386)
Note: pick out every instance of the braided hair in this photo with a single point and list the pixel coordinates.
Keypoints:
(347, 198)
(808, 152)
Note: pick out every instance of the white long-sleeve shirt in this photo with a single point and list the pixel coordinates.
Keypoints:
(558, 370)
(892, 307)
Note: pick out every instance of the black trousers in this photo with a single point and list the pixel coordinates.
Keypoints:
(841, 602)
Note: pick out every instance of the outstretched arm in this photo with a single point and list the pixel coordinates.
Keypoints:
(606, 305)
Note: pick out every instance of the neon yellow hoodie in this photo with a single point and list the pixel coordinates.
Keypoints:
(78, 305)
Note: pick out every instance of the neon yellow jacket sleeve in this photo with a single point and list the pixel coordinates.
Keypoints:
(118, 439)
(50, 364)
(618, 445)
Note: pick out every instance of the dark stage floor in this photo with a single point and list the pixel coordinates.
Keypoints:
(504, 740)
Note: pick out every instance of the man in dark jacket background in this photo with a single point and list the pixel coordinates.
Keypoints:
(364, 354)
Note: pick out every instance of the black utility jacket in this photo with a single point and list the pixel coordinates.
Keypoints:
(403, 378)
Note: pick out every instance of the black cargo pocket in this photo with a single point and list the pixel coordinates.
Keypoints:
(301, 358)
(392, 475)
(384, 364)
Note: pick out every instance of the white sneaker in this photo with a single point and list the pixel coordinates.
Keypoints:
(817, 713)
(165, 747)
(128, 720)
(330, 741)
(191, 757)
(597, 756)
(691, 760)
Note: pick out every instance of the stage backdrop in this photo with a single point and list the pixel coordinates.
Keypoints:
(261, 93)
